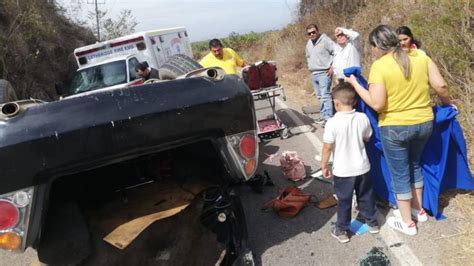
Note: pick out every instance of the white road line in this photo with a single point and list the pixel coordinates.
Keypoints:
(403, 253)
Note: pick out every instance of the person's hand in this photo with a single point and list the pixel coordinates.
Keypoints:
(337, 31)
(326, 171)
(455, 107)
(352, 80)
(330, 72)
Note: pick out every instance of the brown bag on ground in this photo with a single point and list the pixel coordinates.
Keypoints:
(289, 203)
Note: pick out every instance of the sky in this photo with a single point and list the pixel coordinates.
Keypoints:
(203, 19)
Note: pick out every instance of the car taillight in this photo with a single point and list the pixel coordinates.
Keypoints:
(247, 146)
(15, 211)
(8, 215)
(10, 240)
(250, 167)
(244, 150)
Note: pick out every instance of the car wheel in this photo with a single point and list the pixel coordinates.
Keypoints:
(7, 94)
(178, 65)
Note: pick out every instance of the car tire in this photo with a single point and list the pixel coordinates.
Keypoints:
(178, 65)
(7, 94)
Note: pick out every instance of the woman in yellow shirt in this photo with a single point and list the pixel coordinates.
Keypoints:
(399, 91)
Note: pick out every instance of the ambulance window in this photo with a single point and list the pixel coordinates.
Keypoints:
(141, 46)
(82, 60)
(132, 62)
(99, 76)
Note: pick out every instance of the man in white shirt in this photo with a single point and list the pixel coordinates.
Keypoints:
(347, 51)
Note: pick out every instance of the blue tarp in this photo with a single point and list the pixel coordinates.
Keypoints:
(444, 160)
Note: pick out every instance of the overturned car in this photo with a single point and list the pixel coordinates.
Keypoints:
(138, 175)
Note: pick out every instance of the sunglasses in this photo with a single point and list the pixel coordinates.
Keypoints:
(340, 35)
(311, 33)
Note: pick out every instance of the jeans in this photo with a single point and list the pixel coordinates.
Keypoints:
(322, 88)
(402, 147)
(344, 187)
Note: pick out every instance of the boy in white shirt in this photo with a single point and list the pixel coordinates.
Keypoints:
(344, 136)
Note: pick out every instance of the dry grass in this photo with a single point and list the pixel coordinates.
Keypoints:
(458, 244)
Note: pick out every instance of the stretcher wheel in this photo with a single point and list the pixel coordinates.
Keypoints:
(284, 134)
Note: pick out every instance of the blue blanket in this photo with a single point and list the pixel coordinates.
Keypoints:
(444, 160)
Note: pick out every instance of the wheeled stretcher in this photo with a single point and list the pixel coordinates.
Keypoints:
(261, 79)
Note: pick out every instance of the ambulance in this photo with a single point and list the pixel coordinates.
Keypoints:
(111, 64)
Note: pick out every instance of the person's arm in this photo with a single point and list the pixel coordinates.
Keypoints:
(329, 139)
(326, 152)
(308, 55)
(368, 130)
(352, 35)
(331, 48)
(375, 97)
(238, 60)
(438, 83)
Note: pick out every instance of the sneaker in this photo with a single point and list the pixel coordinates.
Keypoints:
(399, 225)
(341, 236)
(320, 121)
(418, 215)
(374, 229)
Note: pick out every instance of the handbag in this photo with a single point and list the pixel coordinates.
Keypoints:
(289, 202)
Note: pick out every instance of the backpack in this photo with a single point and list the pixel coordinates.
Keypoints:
(292, 165)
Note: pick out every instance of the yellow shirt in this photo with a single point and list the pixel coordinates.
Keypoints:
(408, 100)
(230, 60)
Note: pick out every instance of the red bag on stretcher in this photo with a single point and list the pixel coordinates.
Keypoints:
(251, 75)
(268, 76)
(260, 75)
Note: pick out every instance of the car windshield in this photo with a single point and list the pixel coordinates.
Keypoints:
(100, 76)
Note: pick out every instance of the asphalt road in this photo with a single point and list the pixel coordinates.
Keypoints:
(305, 239)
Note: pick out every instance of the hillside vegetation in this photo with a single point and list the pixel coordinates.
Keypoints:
(36, 44)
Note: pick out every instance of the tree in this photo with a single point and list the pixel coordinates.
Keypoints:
(109, 28)
(124, 24)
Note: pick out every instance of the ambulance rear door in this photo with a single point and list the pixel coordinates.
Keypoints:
(175, 43)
